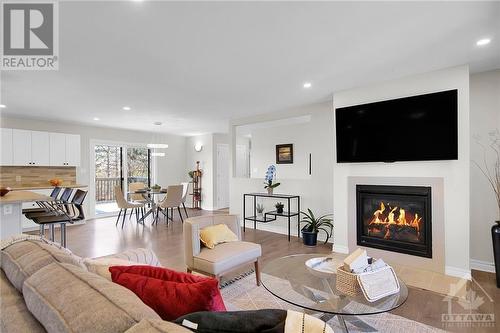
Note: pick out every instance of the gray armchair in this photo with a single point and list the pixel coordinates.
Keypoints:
(224, 257)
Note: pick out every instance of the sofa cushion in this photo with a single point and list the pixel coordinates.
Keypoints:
(22, 259)
(171, 294)
(156, 326)
(226, 256)
(66, 298)
(15, 316)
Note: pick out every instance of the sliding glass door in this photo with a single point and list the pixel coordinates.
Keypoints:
(112, 164)
(108, 174)
(139, 165)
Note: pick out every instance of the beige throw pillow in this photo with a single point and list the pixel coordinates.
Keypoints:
(101, 266)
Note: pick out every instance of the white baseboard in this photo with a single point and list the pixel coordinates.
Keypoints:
(340, 248)
(458, 272)
(481, 265)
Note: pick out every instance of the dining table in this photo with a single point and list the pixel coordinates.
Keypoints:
(149, 196)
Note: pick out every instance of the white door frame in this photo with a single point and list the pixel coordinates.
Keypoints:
(225, 204)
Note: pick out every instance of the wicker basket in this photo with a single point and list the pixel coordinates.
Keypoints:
(347, 282)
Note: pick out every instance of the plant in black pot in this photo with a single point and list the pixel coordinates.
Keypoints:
(279, 207)
(313, 225)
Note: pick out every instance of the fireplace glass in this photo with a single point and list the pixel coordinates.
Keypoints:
(395, 218)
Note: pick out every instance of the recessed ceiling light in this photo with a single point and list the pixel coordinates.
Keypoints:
(483, 42)
(307, 85)
(126, 108)
(157, 123)
(95, 118)
(3, 106)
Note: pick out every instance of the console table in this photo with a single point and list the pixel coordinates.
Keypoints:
(272, 215)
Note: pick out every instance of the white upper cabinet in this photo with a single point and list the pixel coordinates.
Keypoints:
(36, 148)
(72, 149)
(57, 149)
(6, 142)
(40, 148)
(21, 147)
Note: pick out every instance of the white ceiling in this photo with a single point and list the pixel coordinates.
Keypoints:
(194, 66)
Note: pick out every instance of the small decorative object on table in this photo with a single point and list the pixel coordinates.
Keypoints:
(4, 191)
(156, 187)
(55, 181)
(494, 179)
(270, 176)
(279, 207)
(323, 267)
(313, 225)
(260, 210)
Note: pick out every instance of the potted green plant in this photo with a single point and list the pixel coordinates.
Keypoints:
(313, 225)
(279, 207)
(260, 210)
(191, 174)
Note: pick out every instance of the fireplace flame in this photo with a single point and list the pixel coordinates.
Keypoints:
(395, 216)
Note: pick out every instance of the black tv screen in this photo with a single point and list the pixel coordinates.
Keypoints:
(416, 128)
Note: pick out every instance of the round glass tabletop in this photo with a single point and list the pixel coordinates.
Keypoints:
(289, 279)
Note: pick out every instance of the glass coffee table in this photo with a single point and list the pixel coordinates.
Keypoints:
(289, 279)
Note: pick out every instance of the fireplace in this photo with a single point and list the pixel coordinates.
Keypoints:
(395, 218)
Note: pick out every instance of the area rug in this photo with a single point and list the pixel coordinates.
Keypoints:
(242, 293)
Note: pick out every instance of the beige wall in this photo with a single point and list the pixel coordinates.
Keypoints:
(485, 117)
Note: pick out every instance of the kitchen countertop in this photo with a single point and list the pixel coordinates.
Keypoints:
(48, 187)
(23, 196)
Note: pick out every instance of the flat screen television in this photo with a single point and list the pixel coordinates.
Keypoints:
(416, 128)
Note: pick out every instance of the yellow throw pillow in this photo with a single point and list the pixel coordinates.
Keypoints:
(216, 234)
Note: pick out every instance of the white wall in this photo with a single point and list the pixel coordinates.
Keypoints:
(263, 152)
(316, 191)
(170, 169)
(207, 158)
(484, 117)
(454, 173)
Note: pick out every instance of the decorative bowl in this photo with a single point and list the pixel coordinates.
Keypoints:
(324, 267)
(55, 181)
(4, 191)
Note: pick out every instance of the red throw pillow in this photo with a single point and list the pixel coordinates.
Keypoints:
(171, 294)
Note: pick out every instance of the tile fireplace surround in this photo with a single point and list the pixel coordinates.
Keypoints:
(437, 262)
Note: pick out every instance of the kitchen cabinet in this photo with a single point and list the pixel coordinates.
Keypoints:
(64, 149)
(72, 149)
(6, 146)
(40, 148)
(37, 148)
(21, 147)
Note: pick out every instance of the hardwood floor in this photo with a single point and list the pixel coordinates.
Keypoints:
(100, 237)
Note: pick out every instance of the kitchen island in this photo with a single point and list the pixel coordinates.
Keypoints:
(11, 211)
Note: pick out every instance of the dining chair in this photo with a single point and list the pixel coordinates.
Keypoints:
(136, 197)
(172, 200)
(185, 189)
(123, 204)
